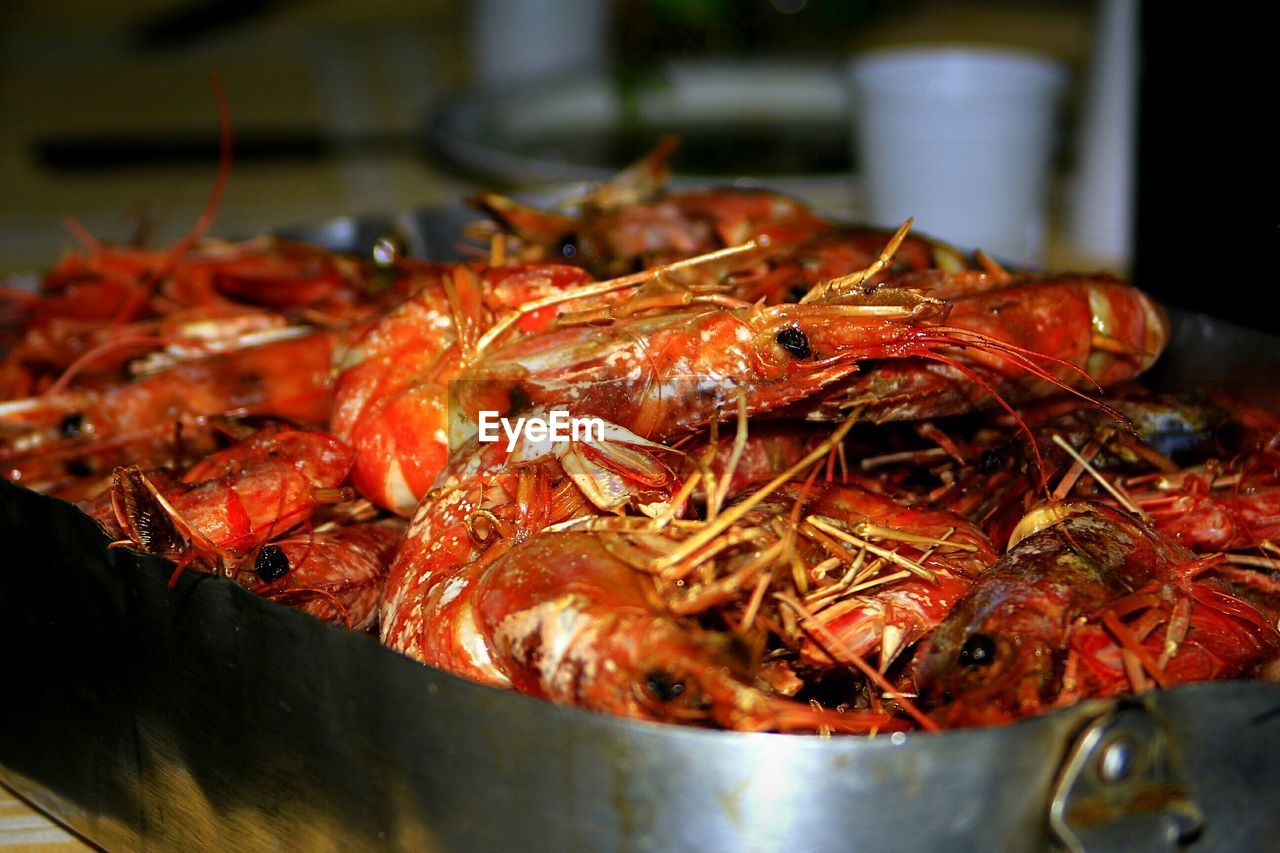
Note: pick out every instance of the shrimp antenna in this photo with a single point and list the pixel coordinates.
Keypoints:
(203, 221)
(1004, 404)
(82, 235)
(717, 492)
(838, 286)
(641, 180)
(723, 521)
(1025, 359)
(105, 348)
(840, 651)
(503, 323)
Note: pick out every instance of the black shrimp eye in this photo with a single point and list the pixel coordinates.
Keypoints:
(663, 686)
(978, 650)
(72, 425)
(271, 563)
(991, 461)
(1230, 436)
(794, 341)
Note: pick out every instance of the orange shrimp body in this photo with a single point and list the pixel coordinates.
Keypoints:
(230, 503)
(1093, 604)
(267, 272)
(335, 575)
(738, 214)
(563, 618)
(269, 492)
(888, 618)
(1096, 329)
(769, 449)
(1216, 505)
(1206, 504)
(88, 428)
(1192, 509)
(390, 400)
(840, 549)
(489, 499)
(668, 373)
(617, 242)
(97, 351)
(686, 223)
(790, 271)
(673, 372)
(631, 222)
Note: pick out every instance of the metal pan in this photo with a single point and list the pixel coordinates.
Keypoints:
(202, 716)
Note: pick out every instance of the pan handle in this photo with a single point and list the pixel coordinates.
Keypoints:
(1120, 787)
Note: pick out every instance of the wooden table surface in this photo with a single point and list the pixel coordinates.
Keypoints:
(24, 828)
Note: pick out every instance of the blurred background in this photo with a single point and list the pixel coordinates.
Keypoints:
(346, 108)
(1162, 167)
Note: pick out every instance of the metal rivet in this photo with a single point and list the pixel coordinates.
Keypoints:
(1117, 759)
(386, 250)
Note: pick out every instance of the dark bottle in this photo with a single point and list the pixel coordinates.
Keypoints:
(1207, 235)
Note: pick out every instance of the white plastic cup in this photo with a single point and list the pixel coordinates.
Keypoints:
(514, 42)
(960, 138)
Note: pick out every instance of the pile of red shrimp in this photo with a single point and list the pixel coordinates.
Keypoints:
(840, 479)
